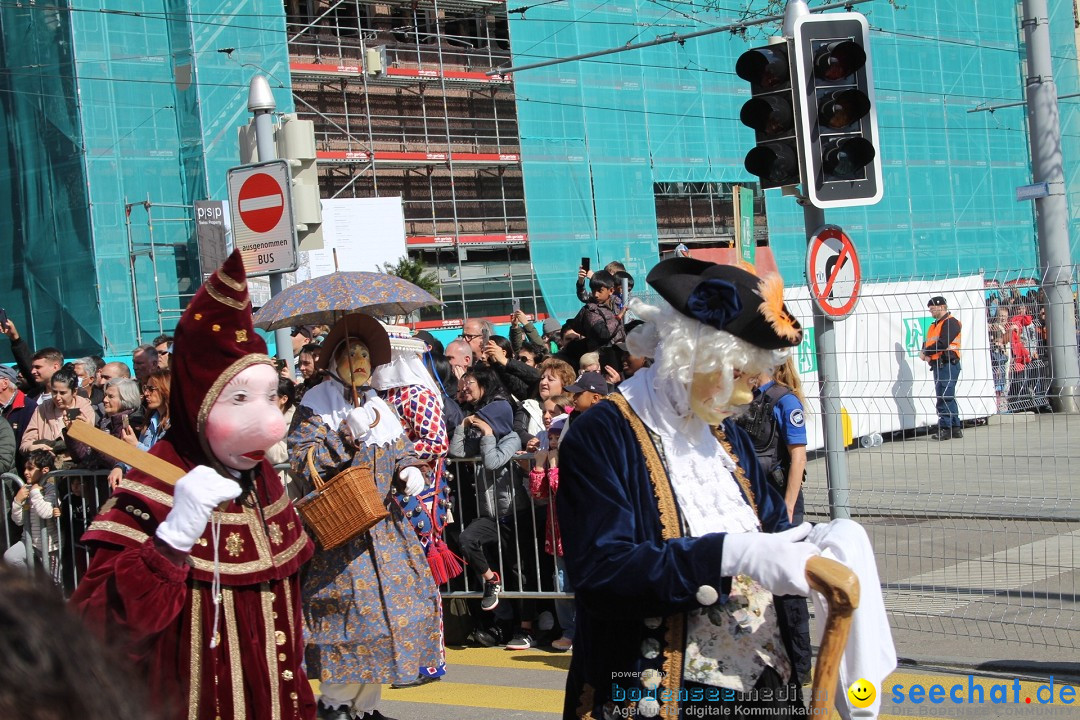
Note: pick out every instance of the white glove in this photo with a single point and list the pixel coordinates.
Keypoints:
(194, 498)
(414, 480)
(359, 421)
(776, 560)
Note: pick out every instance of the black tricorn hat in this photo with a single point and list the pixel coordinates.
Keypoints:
(728, 298)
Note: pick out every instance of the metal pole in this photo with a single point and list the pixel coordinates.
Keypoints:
(261, 104)
(832, 425)
(1052, 212)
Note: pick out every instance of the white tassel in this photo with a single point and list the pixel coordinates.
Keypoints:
(215, 585)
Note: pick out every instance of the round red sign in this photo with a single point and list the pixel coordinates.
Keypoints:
(262, 203)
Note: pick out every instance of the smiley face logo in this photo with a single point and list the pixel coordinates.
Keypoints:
(861, 693)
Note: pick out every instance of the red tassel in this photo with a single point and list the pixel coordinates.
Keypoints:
(445, 565)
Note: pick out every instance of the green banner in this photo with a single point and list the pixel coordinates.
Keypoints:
(915, 329)
(744, 223)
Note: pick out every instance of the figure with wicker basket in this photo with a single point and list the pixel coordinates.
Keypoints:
(371, 608)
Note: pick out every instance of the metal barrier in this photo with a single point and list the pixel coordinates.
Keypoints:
(976, 537)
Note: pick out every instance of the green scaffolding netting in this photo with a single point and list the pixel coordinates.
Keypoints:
(597, 134)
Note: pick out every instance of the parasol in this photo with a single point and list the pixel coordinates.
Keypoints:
(326, 299)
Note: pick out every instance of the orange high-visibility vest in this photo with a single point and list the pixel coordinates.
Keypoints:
(934, 333)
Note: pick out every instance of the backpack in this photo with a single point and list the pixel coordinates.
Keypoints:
(760, 423)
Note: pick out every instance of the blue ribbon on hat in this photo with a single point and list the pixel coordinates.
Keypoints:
(714, 302)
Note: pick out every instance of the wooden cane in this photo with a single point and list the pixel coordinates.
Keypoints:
(840, 586)
(121, 451)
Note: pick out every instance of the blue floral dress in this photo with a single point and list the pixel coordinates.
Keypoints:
(371, 609)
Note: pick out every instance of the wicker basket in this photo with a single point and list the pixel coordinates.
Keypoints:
(342, 507)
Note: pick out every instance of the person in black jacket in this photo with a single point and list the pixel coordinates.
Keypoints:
(519, 379)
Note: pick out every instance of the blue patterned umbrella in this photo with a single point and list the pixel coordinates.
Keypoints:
(325, 299)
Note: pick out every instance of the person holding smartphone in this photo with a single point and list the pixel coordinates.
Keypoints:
(55, 415)
(477, 332)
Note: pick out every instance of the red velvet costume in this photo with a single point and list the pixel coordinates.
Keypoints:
(155, 601)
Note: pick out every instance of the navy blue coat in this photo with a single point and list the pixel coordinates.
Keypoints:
(627, 578)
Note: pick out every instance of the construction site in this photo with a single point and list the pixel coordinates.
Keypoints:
(402, 107)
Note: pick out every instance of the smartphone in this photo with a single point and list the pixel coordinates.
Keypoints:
(585, 263)
(125, 422)
(515, 304)
(486, 336)
(73, 414)
(3, 316)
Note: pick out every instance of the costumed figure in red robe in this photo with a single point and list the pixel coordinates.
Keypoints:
(199, 582)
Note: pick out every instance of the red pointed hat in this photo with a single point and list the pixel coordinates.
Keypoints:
(214, 341)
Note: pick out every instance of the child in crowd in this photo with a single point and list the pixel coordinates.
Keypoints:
(543, 484)
(39, 497)
(589, 389)
(590, 362)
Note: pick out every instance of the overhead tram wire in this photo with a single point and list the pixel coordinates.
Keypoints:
(503, 70)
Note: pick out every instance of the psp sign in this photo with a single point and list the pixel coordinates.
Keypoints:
(260, 204)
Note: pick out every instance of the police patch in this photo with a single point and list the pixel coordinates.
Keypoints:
(795, 417)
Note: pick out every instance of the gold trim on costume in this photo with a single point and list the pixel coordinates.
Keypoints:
(258, 534)
(228, 281)
(264, 562)
(235, 666)
(195, 678)
(665, 497)
(123, 530)
(287, 583)
(670, 528)
(271, 664)
(225, 300)
(740, 474)
(162, 498)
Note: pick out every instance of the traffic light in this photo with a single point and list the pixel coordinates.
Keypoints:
(770, 111)
(295, 140)
(838, 118)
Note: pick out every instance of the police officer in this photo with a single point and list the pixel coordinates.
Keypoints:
(942, 351)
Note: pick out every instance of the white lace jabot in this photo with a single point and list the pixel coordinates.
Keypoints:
(701, 471)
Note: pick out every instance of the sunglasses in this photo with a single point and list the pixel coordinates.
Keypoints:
(469, 338)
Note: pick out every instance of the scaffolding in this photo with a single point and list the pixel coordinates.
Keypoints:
(164, 239)
(402, 107)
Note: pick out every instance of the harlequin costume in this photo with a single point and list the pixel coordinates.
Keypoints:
(371, 608)
(406, 385)
(157, 603)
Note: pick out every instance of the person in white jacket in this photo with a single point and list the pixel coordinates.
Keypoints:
(37, 498)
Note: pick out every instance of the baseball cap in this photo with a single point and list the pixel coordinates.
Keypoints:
(6, 371)
(937, 300)
(591, 381)
(551, 326)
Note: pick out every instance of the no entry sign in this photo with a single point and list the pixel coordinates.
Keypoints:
(832, 272)
(260, 203)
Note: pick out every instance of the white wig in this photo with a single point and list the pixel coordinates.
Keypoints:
(683, 347)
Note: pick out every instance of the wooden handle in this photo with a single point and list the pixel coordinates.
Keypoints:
(120, 451)
(316, 479)
(840, 586)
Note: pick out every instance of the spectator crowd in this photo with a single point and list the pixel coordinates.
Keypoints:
(506, 402)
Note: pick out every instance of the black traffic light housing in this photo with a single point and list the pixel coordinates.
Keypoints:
(771, 112)
(838, 120)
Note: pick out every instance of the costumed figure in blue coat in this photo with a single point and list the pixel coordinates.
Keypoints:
(371, 607)
(674, 541)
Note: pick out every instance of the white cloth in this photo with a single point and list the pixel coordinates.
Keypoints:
(405, 368)
(870, 653)
(361, 697)
(701, 471)
(327, 400)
